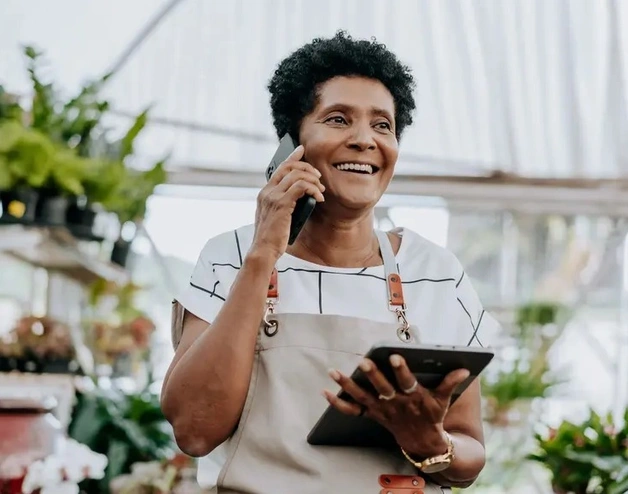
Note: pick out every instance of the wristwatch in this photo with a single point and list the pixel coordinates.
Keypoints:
(436, 463)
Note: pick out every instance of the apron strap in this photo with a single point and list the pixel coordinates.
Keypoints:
(273, 289)
(393, 279)
(396, 302)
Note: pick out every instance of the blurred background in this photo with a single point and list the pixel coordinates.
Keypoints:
(131, 132)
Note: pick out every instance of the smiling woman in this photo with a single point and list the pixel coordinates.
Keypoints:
(265, 327)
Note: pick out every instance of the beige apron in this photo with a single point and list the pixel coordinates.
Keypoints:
(269, 453)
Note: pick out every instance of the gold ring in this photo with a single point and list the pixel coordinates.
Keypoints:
(388, 397)
(412, 388)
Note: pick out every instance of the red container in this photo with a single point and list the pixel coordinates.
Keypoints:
(29, 432)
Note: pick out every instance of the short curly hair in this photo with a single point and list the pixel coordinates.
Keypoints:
(294, 85)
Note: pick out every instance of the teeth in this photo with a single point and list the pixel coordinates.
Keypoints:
(356, 167)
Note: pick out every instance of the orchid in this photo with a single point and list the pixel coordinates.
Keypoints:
(61, 472)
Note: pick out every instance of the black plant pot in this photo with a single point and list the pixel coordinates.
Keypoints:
(18, 205)
(80, 218)
(51, 210)
(59, 366)
(8, 364)
(120, 252)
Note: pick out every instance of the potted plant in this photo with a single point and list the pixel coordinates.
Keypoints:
(590, 457)
(26, 159)
(94, 174)
(119, 333)
(39, 344)
(173, 476)
(129, 203)
(128, 428)
(31, 166)
(510, 393)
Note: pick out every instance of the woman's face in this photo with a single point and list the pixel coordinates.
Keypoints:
(350, 138)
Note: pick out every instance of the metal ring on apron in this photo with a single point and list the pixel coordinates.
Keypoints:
(271, 326)
(403, 331)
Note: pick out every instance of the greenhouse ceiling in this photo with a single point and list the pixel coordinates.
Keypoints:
(525, 88)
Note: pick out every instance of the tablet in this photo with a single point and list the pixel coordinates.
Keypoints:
(429, 363)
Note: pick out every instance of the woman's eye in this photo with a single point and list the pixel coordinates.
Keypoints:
(383, 125)
(336, 120)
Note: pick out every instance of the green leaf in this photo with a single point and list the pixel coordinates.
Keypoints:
(126, 144)
(7, 179)
(88, 421)
(118, 456)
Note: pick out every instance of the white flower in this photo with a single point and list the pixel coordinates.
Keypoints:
(42, 473)
(80, 462)
(147, 470)
(15, 466)
(74, 461)
(61, 488)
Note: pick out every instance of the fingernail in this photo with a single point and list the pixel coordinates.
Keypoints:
(334, 374)
(395, 360)
(365, 366)
(319, 174)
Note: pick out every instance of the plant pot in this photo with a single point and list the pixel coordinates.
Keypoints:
(80, 218)
(59, 366)
(80, 213)
(51, 210)
(13, 486)
(120, 252)
(9, 364)
(18, 205)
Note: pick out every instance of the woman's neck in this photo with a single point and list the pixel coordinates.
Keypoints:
(342, 243)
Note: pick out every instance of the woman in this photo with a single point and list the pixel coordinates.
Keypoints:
(257, 387)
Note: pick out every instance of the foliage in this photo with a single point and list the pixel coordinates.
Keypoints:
(41, 338)
(509, 387)
(129, 202)
(10, 108)
(30, 158)
(128, 428)
(71, 122)
(586, 458)
(63, 145)
(157, 478)
(535, 314)
(528, 377)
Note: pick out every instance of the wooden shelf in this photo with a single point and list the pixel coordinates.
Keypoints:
(56, 249)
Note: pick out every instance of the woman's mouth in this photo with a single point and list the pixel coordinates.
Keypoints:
(363, 168)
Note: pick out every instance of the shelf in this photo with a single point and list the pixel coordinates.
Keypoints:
(61, 387)
(56, 249)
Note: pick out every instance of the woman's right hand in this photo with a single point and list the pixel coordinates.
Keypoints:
(276, 201)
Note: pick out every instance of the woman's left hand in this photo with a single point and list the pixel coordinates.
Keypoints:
(414, 416)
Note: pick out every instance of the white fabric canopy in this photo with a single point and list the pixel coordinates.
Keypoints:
(534, 87)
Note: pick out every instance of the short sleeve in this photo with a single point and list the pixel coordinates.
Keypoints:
(204, 294)
(479, 328)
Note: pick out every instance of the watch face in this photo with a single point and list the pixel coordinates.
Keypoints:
(437, 466)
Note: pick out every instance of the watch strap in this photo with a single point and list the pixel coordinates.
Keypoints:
(445, 458)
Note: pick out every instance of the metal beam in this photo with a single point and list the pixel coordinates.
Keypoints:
(557, 196)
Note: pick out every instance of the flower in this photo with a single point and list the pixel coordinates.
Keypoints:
(81, 462)
(61, 488)
(61, 472)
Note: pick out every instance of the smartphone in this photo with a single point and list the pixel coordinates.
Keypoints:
(305, 205)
